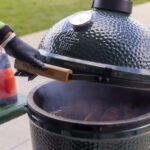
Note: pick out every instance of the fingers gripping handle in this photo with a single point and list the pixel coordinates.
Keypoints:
(50, 71)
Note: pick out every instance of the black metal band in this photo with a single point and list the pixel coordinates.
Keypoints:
(114, 5)
(110, 81)
(103, 78)
(4, 31)
(98, 72)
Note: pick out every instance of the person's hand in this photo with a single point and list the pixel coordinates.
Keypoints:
(19, 49)
(22, 51)
(21, 73)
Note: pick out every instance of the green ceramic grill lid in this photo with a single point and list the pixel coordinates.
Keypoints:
(105, 44)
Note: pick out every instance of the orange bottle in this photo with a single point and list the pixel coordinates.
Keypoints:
(8, 90)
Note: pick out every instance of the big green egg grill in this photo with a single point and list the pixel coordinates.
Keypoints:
(109, 48)
(108, 44)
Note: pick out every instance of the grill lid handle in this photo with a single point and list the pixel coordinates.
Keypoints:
(50, 71)
(63, 74)
(124, 6)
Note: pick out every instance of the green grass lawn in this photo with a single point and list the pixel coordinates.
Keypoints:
(27, 16)
(140, 1)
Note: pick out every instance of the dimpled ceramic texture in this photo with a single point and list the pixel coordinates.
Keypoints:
(110, 38)
(44, 140)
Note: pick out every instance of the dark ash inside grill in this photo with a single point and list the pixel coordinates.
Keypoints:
(87, 101)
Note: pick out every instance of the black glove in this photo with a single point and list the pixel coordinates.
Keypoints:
(25, 74)
(22, 51)
(19, 49)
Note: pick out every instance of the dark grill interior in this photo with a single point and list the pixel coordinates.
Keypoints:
(92, 101)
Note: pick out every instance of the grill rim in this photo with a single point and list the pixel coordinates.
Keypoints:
(77, 128)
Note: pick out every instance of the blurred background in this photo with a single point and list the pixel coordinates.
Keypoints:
(28, 16)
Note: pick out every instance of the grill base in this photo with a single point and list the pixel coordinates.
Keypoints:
(45, 140)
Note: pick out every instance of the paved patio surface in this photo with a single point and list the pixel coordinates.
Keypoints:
(15, 135)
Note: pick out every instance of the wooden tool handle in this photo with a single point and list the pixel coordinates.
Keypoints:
(49, 71)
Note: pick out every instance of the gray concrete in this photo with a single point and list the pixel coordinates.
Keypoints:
(15, 134)
(142, 13)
